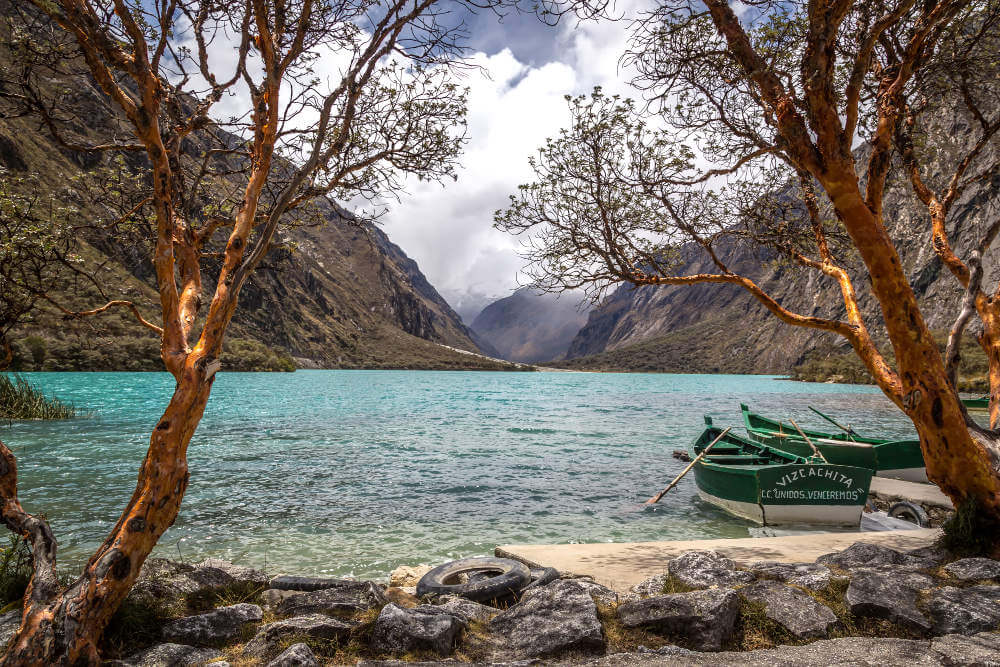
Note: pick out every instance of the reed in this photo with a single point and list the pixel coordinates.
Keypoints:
(19, 399)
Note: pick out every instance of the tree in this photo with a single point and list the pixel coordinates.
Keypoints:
(786, 93)
(339, 98)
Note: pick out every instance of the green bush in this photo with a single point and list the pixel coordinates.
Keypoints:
(19, 399)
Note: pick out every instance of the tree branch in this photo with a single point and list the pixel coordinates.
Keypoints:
(111, 304)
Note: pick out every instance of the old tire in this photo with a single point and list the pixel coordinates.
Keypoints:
(509, 578)
(541, 576)
(910, 512)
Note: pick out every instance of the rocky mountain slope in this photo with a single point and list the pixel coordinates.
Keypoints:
(721, 328)
(336, 295)
(530, 327)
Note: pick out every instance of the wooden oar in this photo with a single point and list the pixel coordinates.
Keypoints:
(848, 429)
(656, 498)
(806, 438)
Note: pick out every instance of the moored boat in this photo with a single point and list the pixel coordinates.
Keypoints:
(774, 487)
(899, 459)
(981, 403)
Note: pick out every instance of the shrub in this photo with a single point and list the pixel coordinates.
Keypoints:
(19, 399)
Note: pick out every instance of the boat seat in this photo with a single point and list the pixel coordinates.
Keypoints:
(738, 459)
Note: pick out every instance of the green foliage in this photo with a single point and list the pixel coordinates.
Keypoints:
(15, 570)
(136, 625)
(248, 355)
(19, 399)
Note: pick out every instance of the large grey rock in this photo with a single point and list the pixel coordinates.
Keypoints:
(865, 554)
(266, 642)
(890, 593)
(217, 626)
(346, 597)
(813, 576)
(965, 611)
(927, 557)
(423, 628)
(705, 619)
(240, 574)
(647, 588)
(792, 609)
(974, 569)
(467, 610)
(171, 655)
(560, 616)
(162, 579)
(273, 597)
(980, 650)
(707, 569)
(602, 595)
(9, 623)
(296, 655)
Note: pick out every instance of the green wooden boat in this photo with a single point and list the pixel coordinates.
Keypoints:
(773, 487)
(981, 403)
(899, 459)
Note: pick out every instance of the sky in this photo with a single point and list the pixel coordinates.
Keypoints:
(448, 229)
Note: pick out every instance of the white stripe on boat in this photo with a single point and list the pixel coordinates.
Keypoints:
(773, 515)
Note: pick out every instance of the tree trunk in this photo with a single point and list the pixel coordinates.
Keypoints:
(64, 629)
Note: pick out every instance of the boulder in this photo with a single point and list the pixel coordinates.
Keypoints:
(560, 616)
(812, 576)
(890, 593)
(865, 554)
(345, 597)
(974, 569)
(408, 575)
(9, 623)
(268, 638)
(273, 597)
(171, 655)
(296, 655)
(927, 557)
(240, 574)
(467, 610)
(965, 611)
(707, 569)
(424, 628)
(647, 588)
(792, 609)
(162, 579)
(288, 582)
(215, 627)
(602, 595)
(704, 619)
(980, 649)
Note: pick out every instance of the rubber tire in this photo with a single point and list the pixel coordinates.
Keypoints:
(511, 579)
(541, 576)
(910, 512)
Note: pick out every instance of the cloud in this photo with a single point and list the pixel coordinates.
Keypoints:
(448, 229)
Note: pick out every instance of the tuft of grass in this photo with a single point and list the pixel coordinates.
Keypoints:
(674, 585)
(135, 626)
(19, 399)
(970, 532)
(207, 600)
(755, 630)
(620, 639)
(834, 596)
(15, 571)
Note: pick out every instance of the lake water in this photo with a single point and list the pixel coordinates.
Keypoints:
(356, 472)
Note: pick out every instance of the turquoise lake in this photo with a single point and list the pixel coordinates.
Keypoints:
(356, 472)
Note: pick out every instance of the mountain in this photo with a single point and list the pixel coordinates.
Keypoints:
(338, 294)
(721, 328)
(530, 327)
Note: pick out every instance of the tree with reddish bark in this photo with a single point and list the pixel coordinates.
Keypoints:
(237, 118)
(831, 98)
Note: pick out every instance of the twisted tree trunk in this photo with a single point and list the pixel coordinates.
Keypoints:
(62, 627)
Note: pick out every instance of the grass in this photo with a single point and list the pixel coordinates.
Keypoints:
(969, 532)
(754, 630)
(15, 572)
(19, 399)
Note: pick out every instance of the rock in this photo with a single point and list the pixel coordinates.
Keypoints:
(965, 611)
(296, 655)
(345, 597)
(401, 598)
(550, 619)
(287, 582)
(424, 628)
(268, 638)
(792, 609)
(865, 554)
(239, 574)
(705, 619)
(927, 557)
(162, 579)
(467, 610)
(889, 593)
(273, 597)
(217, 626)
(602, 595)
(813, 576)
(9, 623)
(974, 569)
(172, 655)
(408, 575)
(705, 569)
(648, 588)
(981, 649)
